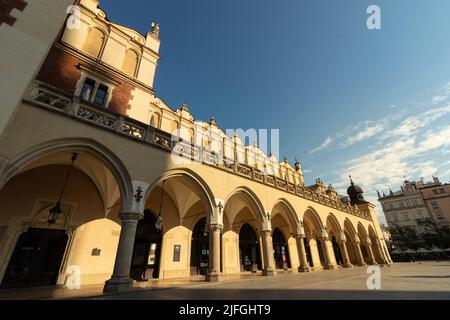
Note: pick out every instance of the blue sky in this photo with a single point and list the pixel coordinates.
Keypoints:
(347, 100)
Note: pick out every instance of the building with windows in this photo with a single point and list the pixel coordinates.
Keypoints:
(417, 205)
(437, 200)
(406, 207)
(101, 178)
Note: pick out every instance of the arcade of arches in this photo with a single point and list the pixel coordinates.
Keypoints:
(118, 230)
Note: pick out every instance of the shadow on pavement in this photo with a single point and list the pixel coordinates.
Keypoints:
(263, 294)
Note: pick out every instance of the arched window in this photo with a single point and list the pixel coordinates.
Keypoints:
(154, 121)
(94, 42)
(130, 62)
(174, 128)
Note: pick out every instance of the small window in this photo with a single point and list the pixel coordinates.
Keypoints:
(442, 190)
(440, 215)
(100, 95)
(434, 205)
(88, 87)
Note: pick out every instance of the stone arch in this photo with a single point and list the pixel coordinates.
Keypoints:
(335, 225)
(362, 233)
(108, 158)
(313, 227)
(253, 202)
(376, 245)
(334, 231)
(99, 184)
(351, 237)
(205, 192)
(291, 214)
(364, 245)
(314, 217)
(284, 218)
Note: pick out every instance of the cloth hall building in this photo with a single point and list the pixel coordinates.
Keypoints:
(92, 179)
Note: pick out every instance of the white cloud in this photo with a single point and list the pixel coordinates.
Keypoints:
(368, 132)
(404, 147)
(410, 125)
(436, 139)
(323, 146)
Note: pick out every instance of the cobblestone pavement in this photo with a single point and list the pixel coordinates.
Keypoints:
(418, 280)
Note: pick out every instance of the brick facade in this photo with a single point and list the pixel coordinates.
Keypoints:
(6, 6)
(61, 70)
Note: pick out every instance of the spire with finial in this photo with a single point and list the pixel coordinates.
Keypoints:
(213, 120)
(286, 159)
(351, 180)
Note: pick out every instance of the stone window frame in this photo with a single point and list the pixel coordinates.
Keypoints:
(99, 80)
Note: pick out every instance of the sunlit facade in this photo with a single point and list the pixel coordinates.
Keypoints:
(92, 178)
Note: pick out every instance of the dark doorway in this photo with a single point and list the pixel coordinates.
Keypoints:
(308, 252)
(364, 252)
(249, 253)
(319, 249)
(281, 251)
(36, 259)
(147, 249)
(200, 249)
(337, 251)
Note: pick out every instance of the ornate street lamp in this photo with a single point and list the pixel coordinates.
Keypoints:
(159, 220)
(56, 210)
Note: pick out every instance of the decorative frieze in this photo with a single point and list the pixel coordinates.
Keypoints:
(51, 99)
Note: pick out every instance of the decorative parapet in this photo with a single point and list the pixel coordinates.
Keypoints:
(51, 99)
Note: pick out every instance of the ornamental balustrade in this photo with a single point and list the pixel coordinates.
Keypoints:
(51, 99)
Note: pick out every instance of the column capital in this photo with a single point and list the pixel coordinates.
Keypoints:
(299, 236)
(131, 216)
(265, 232)
(323, 236)
(215, 227)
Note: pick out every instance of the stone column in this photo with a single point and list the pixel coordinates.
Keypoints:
(268, 269)
(344, 252)
(326, 252)
(304, 266)
(359, 255)
(120, 280)
(384, 261)
(370, 251)
(214, 273)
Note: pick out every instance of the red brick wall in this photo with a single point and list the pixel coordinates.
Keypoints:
(6, 6)
(60, 70)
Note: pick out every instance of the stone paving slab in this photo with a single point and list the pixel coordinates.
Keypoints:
(419, 280)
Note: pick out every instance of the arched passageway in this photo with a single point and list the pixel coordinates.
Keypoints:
(280, 250)
(60, 208)
(249, 249)
(183, 207)
(314, 243)
(147, 249)
(200, 249)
